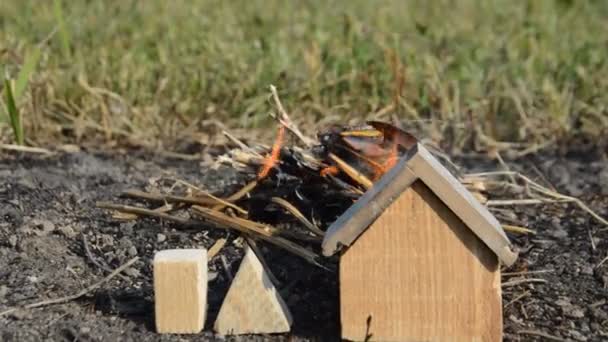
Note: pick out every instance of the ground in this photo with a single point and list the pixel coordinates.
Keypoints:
(47, 205)
(150, 73)
(48, 208)
(568, 301)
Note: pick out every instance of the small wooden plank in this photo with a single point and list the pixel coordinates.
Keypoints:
(462, 203)
(366, 209)
(252, 304)
(180, 290)
(419, 274)
(418, 164)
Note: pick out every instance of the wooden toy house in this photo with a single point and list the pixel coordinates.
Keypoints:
(419, 259)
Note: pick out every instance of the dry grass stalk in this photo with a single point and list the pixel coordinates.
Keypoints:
(308, 159)
(145, 212)
(124, 217)
(169, 198)
(238, 195)
(474, 184)
(518, 298)
(89, 253)
(254, 229)
(523, 281)
(298, 215)
(524, 201)
(181, 156)
(602, 262)
(518, 229)
(286, 121)
(244, 191)
(217, 246)
(591, 240)
(201, 192)
(245, 157)
(539, 193)
(226, 267)
(510, 274)
(220, 220)
(241, 144)
(77, 295)
(544, 335)
(352, 172)
(26, 149)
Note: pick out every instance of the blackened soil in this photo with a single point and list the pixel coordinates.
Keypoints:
(47, 209)
(47, 212)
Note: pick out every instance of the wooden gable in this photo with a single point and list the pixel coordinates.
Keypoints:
(419, 164)
(420, 274)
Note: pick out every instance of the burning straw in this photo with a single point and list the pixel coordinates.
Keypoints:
(305, 188)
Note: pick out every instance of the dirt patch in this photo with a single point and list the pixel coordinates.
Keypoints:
(48, 221)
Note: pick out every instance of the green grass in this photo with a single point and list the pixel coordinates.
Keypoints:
(13, 113)
(12, 95)
(512, 70)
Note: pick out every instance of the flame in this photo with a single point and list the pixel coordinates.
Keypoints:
(271, 160)
(330, 170)
(392, 158)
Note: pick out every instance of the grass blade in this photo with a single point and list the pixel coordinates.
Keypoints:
(13, 113)
(63, 32)
(3, 118)
(31, 60)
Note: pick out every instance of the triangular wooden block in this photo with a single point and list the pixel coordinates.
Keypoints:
(252, 305)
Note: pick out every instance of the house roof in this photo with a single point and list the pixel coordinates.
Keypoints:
(419, 164)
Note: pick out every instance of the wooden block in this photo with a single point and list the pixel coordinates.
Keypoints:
(252, 305)
(418, 273)
(180, 290)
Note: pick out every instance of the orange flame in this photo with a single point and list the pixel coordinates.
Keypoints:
(330, 170)
(271, 160)
(392, 157)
